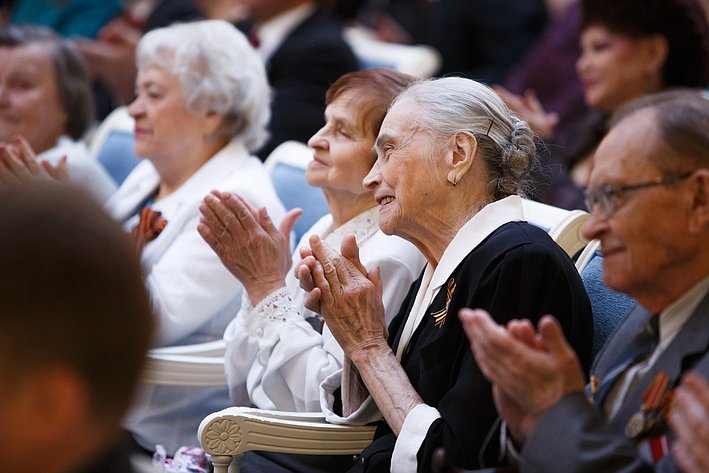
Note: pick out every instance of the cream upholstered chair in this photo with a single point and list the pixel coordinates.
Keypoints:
(563, 226)
(227, 434)
(418, 60)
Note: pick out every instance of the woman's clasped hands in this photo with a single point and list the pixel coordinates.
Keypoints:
(347, 295)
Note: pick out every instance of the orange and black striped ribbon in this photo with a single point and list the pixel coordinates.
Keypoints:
(149, 227)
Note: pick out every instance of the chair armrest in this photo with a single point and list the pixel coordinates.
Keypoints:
(236, 430)
(184, 370)
(213, 348)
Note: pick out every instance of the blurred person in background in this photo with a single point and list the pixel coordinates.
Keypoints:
(202, 107)
(46, 103)
(83, 18)
(111, 55)
(304, 53)
(630, 48)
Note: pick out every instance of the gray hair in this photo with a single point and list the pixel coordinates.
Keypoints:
(219, 72)
(453, 104)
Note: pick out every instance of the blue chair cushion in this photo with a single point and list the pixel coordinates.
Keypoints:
(294, 191)
(609, 307)
(116, 155)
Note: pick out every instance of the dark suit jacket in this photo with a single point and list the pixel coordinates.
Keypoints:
(518, 271)
(575, 436)
(300, 71)
(483, 39)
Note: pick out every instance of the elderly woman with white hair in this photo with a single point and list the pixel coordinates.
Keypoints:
(452, 164)
(202, 107)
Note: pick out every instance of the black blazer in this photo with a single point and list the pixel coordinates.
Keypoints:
(300, 71)
(518, 271)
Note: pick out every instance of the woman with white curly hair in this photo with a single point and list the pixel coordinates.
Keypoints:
(202, 108)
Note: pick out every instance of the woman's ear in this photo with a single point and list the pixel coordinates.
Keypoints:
(461, 156)
(213, 123)
(656, 50)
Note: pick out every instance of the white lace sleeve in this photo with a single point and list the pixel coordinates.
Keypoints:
(276, 308)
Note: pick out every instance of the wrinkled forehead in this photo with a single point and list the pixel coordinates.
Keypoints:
(628, 152)
(403, 118)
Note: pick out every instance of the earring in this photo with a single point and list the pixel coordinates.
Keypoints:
(453, 177)
(208, 138)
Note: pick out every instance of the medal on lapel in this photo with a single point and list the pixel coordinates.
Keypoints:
(656, 404)
(439, 317)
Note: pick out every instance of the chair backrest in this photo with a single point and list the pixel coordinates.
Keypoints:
(417, 60)
(112, 144)
(563, 226)
(609, 307)
(286, 166)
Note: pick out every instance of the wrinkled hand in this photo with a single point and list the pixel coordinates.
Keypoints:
(304, 273)
(530, 372)
(528, 108)
(350, 296)
(247, 242)
(690, 422)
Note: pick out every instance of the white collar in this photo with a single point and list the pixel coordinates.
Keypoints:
(674, 317)
(487, 220)
(274, 31)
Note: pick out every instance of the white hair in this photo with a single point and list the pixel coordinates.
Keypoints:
(454, 104)
(219, 72)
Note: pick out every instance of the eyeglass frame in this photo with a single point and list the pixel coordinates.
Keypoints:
(608, 195)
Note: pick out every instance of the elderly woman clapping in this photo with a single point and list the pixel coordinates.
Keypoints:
(46, 107)
(202, 107)
(273, 354)
(451, 166)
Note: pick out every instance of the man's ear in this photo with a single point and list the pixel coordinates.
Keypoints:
(699, 204)
(461, 156)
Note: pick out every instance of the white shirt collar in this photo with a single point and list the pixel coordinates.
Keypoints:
(273, 32)
(675, 316)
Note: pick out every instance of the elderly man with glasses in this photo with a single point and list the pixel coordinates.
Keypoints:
(648, 196)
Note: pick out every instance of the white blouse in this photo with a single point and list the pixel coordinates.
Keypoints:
(274, 359)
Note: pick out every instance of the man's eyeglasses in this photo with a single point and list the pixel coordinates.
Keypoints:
(608, 196)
